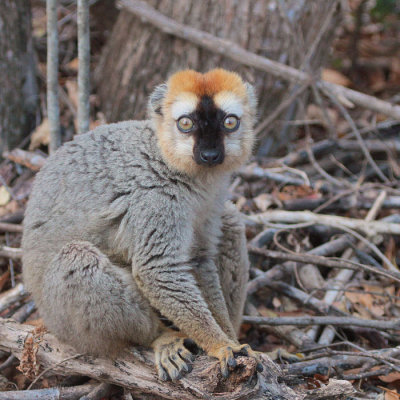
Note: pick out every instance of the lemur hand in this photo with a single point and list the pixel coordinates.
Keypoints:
(226, 356)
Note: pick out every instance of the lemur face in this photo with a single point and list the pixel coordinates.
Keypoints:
(205, 120)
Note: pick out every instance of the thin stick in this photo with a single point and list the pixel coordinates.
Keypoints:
(10, 252)
(53, 109)
(231, 50)
(6, 227)
(278, 110)
(324, 261)
(84, 66)
(51, 367)
(370, 228)
(357, 134)
(304, 320)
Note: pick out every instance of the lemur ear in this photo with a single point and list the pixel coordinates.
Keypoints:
(252, 96)
(156, 99)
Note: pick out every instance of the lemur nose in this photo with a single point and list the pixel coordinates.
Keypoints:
(210, 157)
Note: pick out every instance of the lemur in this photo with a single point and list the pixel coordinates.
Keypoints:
(130, 221)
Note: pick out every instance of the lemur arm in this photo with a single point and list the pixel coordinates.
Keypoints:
(163, 271)
(208, 280)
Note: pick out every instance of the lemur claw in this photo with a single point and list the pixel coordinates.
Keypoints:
(226, 356)
(172, 356)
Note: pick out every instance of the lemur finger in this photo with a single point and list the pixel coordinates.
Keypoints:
(171, 368)
(185, 354)
(224, 367)
(162, 373)
(179, 362)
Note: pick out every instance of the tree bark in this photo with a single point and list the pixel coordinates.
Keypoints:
(139, 56)
(18, 86)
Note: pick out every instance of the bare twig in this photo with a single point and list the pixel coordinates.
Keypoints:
(5, 227)
(278, 110)
(84, 66)
(100, 391)
(370, 228)
(326, 262)
(305, 320)
(52, 75)
(11, 296)
(31, 160)
(65, 393)
(10, 252)
(279, 271)
(357, 134)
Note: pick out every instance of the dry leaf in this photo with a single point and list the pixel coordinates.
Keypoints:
(4, 196)
(315, 113)
(391, 377)
(9, 208)
(4, 279)
(333, 76)
(72, 89)
(291, 192)
(390, 394)
(73, 64)
(263, 201)
(29, 365)
(41, 135)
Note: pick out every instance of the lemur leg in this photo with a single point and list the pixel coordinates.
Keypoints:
(94, 305)
(233, 263)
(97, 308)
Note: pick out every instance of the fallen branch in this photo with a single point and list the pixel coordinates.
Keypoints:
(26, 158)
(278, 272)
(15, 228)
(370, 228)
(231, 50)
(136, 371)
(336, 321)
(12, 296)
(326, 262)
(11, 252)
(65, 393)
(84, 66)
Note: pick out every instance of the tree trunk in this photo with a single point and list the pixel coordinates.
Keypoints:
(18, 86)
(138, 56)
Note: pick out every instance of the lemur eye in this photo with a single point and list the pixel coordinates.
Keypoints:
(185, 124)
(231, 123)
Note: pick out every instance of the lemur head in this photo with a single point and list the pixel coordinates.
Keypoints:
(204, 122)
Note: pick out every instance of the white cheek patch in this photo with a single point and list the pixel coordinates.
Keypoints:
(184, 145)
(229, 102)
(233, 145)
(185, 104)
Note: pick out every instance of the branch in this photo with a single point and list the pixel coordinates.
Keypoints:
(6, 227)
(74, 392)
(231, 50)
(53, 109)
(26, 158)
(370, 228)
(84, 66)
(14, 253)
(326, 262)
(136, 371)
(304, 320)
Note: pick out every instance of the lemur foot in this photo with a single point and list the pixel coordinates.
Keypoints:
(172, 356)
(226, 356)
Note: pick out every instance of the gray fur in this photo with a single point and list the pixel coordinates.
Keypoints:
(111, 233)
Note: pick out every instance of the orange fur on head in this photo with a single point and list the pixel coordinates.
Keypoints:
(210, 83)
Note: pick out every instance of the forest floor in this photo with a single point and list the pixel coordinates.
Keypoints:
(322, 217)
